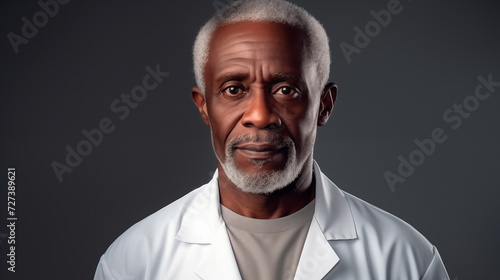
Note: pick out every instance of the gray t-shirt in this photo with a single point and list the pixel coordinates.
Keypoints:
(268, 249)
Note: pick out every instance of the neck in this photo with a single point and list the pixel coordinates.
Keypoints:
(278, 204)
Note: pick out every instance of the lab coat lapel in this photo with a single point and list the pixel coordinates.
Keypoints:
(332, 221)
(203, 227)
(217, 259)
(332, 210)
(317, 257)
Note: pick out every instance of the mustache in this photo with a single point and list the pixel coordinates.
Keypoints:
(272, 138)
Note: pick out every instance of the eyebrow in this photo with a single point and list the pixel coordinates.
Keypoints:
(241, 76)
(283, 77)
(230, 76)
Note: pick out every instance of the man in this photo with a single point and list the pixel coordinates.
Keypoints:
(269, 212)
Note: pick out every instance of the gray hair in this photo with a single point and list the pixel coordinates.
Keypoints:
(278, 11)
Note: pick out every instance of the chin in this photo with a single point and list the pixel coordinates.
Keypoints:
(263, 180)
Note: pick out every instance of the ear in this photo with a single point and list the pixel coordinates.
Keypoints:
(328, 97)
(200, 102)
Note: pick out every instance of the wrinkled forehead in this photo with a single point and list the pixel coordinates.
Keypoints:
(260, 30)
(250, 42)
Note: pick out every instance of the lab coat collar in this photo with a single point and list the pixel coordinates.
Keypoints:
(202, 218)
(332, 210)
(332, 220)
(203, 224)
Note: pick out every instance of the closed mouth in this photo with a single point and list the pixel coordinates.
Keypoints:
(260, 150)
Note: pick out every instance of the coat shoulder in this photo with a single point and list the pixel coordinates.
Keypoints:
(135, 250)
(373, 222)
(386, 237)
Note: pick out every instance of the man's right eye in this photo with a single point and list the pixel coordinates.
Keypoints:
(232, 90)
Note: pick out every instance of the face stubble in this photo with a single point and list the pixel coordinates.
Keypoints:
(263, 181)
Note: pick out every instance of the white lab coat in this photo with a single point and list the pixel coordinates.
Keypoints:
(348, 239)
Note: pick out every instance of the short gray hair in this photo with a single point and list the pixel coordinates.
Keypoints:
(278, 11)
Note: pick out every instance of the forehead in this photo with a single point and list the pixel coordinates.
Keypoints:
(275, 46)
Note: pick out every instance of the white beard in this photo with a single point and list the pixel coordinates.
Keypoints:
(264, 182)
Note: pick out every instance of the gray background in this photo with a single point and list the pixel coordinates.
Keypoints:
(393, 92)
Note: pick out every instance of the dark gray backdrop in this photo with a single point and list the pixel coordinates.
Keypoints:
(395, 90)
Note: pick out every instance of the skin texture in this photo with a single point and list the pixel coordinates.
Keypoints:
(259, 81)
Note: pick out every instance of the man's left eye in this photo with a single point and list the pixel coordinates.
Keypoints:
(286, 90)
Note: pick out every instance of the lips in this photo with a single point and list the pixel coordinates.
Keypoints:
(259, 150)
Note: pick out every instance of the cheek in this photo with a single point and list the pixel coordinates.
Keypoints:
(307, 134)
(301, 125)
(222, 123)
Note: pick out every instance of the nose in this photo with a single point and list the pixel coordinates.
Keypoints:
(259, 111)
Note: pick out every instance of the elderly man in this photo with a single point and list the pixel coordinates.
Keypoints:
(269, 212)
